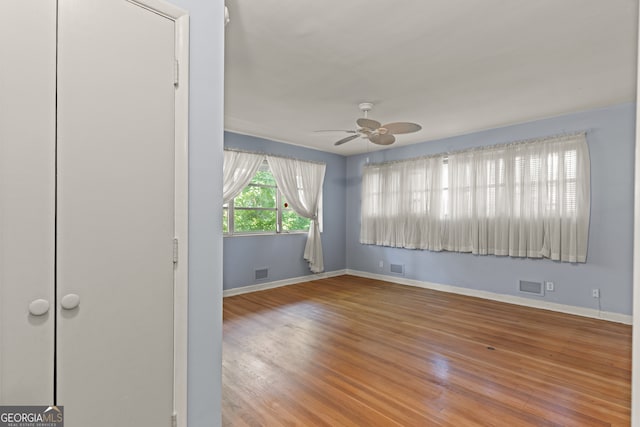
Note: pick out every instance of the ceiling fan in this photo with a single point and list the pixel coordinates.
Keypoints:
(374, 131)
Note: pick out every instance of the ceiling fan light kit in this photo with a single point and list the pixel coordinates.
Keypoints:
(374, 131)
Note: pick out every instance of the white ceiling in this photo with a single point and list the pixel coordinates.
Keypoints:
(453, 66)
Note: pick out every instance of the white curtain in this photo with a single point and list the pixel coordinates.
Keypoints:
(402, 204)
(301, 184)
(566, 225)
(527, 199)
(238, 170)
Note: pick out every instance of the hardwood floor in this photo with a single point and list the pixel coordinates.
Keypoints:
(349, 351)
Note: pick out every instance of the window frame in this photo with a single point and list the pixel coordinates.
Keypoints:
(279, 209)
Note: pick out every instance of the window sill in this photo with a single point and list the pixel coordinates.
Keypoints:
(290, 233)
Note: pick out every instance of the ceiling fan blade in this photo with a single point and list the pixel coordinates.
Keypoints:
(336, 130)
(347, 139)
(402, 127)
(368, 123)
(387, 139)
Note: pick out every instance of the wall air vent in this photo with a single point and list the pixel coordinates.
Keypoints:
(262, 273)
(397, 268)
(532, 288)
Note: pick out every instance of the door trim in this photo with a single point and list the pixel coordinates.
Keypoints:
(635, 355)
(181, 268)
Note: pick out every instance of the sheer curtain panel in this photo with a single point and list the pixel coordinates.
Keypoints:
(402, 204)
(238, 170)
(301, 184)
(522, 200)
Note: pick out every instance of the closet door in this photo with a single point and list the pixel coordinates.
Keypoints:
(27, 200)
(115, 214)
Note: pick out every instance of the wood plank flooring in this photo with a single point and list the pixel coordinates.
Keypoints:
(349, 351)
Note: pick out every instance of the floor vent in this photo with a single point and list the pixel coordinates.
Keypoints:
(534, 288)
(397, 268)
(262, 273)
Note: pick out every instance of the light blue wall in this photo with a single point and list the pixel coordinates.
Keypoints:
(609, 259)
(205, 197)
(282, 254)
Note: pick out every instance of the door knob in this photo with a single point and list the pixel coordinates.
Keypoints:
(70, 301)
(38, 307)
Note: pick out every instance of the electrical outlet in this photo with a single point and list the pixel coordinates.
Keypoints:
(595, 293)
(381, 264)
(550, 286)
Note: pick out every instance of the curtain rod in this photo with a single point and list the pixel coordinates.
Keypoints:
(445, 155)
(273, 155)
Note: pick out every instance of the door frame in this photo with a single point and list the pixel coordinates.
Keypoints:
(181, 183)
(635, 358)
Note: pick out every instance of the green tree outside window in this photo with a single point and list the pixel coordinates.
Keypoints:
(260, 208)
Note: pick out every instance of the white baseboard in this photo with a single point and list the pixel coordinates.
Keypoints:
(280, 283)
(511, 299)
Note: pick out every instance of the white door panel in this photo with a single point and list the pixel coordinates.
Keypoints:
(27, 199)
(115, 216)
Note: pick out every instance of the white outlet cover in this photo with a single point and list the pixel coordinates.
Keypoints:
(550, 286)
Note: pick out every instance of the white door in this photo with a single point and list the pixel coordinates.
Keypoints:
(27, 200)
(115, 214)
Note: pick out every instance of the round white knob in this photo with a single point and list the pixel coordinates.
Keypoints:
(70, 301)
(38, 307)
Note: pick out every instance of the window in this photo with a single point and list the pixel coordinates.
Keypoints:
(528, 199)
(261, 208)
